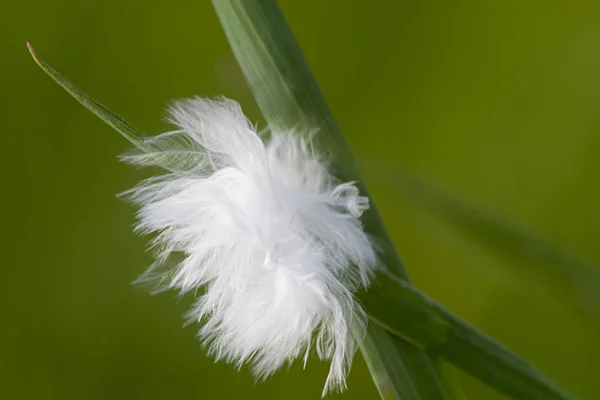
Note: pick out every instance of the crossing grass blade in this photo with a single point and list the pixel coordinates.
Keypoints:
(410, 314)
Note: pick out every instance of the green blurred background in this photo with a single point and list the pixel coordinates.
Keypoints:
(498, 101)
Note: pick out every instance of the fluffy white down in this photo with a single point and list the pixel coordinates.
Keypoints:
(268, 239)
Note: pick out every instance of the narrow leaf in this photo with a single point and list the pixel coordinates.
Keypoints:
(117, 122)
(170, 151)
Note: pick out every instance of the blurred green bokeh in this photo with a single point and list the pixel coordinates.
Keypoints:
(498, 101)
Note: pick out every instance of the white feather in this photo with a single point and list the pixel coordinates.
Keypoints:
(272, 239)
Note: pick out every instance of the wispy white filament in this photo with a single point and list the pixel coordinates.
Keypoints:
(270, 240)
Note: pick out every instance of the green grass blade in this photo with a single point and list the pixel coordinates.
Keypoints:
(397, 368)
(450, 381)
(408, 313)
(568, 277)
(289, 98)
